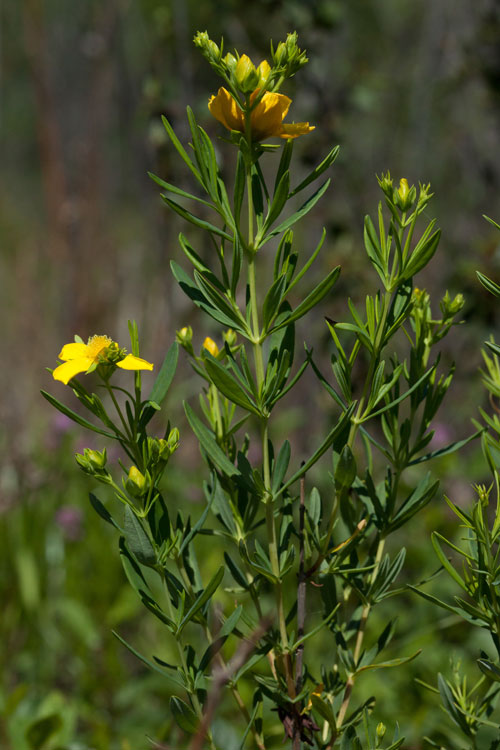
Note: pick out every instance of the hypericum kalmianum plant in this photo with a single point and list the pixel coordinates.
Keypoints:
(282, 621)
(475, 567)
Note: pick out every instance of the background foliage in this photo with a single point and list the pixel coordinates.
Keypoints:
(410, 86)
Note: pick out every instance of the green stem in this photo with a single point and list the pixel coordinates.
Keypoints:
(260, 378)
(196, 703)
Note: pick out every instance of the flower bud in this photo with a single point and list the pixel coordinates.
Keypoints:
(207, 47)
(136, 484)
(173, 440)
(246, 75)
(210, 346)
(92, 462)
(184, 337)
(231, 62)
(380, 730)
(230, 337)
(404, 196)
(385, 183)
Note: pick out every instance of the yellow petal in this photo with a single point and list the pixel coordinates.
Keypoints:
(267, 117)
(68, 370)
(73, 351)
(134, 363)
(294, 129)
(224, 108)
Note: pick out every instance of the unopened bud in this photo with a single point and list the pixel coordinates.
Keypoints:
(231, 62)
(208, 48)
(173, 440)
(211, 347)
(404, 196)
(92, 461)
(184, 337)
(380, 730)
(230, 337)
(136, 484)
(246, 75)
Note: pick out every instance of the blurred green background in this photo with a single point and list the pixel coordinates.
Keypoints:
(406, 85)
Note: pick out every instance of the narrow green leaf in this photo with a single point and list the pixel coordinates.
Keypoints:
(303, 210)
(137, 540)
(209, 445)
(184, 715)
(311, 300)
(451, 707)
(281, 466)
(180, 150)
(103, 512)
(178, 191)
(421, 256)
(201, 223)
(75, 417)
(489, 669)
(318, 171)
(147, 661)
(391, 663)
(279, 201)
(228, 385)
(446, 563)
(202, 598)
(166, 374)
(272, 301)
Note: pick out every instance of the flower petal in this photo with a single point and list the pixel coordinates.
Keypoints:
(224, 108)
(134, 363)
(267, 117)
(73, 351)
(294, 129)
(68, 370)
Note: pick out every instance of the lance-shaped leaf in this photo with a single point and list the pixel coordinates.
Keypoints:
(422, 254)
(303, 210)
(489, 669)
(178, 191)
(180, 150)
(445, 562)
(312, 299)
(184, 715)
(421, 495)
(209, 445)
(138, 541)
(200, 300)
(228, 385)
(278, 203)
(489, 284)
(75, 417)
(219, 300)
(203, 597)
(102, 511)
(317, 171)
(201, 223)
(273, 300)
(451, 707)
(161, 384)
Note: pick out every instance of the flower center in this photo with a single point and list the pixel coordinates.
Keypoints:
(96, 344)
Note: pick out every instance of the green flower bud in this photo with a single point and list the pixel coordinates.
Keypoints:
(184, 337)
(246, 75)
(92, 462)
(385, 183)
(136, 483)
(381, 729)
(404, 197)
(230, 337)
(230, 62)
(207, 47)
(173, 440)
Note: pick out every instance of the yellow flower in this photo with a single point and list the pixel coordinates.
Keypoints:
(266, 119)
(211, 347)
(79, 357)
